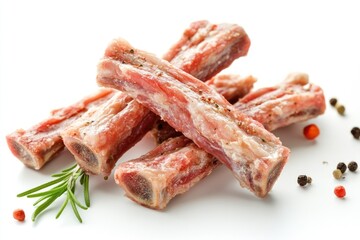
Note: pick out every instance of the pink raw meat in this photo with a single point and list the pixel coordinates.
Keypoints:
(40, 143)
(254, 155)
(100, 137)
(177, 164)
(292, 101)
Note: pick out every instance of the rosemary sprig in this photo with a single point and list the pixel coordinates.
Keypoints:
(64, 182)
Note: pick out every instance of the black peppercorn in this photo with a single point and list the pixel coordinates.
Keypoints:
(333, 102)
(355, 131)
(352, 166)
(302, 180)
(342, 167)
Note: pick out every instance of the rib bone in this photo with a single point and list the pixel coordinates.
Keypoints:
(203, 50)
(254, 155)
(176, 165)
(40, 143)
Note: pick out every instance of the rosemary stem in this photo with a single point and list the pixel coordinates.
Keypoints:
(64, 182)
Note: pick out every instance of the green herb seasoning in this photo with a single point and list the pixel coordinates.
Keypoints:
(64, 182)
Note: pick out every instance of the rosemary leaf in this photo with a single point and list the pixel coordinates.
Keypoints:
(45, 185)
(62, 174)
(47, 196)
(49, 192)
(73, 205)
(43, 206)
(64, 182)
(86, 190)
(82, 179)
(41, 199)
(69, 168)
(71, 194)
(58, 175)
(62, 207)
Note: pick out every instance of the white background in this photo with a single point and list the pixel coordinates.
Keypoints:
(49, 51)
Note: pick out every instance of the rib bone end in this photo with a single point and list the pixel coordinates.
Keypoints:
(139, 189)
(264, 180)
(20, 152)
(84, 156)
(29, 153)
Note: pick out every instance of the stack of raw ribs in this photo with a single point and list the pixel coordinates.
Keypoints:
(199, 118)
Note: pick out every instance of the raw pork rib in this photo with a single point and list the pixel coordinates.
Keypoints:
(103, 134)
(255, 156)
(292, 101)
(40, 143)
(231, 86)
(100, 137)
(171, 169)
(221, 43)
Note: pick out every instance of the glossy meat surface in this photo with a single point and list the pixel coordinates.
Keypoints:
(205, 48)
(119, 128)
(293, 100)
(152, 164)
(254, 155)
(40, 143)
(103, 134)
(170, 169)
(231, 86)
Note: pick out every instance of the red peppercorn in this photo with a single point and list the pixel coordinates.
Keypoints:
(19, 215)
(311, 131)
(340, 191)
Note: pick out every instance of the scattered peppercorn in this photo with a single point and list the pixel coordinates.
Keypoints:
(311, 131)
(19, 215)
(340, 109)
(309, 180)
(352, 166)
(337, 173)
(303, 180)
(342, 167)
(340, 191)
(355, 131)
(333, 102)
